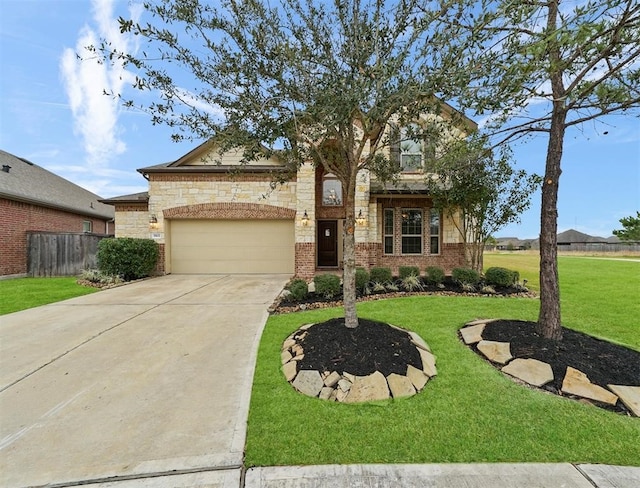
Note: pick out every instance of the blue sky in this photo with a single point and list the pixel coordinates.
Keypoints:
(53, 112)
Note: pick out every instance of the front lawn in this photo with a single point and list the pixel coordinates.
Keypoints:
(470, 412)
(22, 293)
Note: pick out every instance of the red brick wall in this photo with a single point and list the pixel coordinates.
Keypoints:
(16, 218)
(305, 266)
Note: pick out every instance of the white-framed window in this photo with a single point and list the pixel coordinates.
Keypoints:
(331, 190)
(389, 216)
(434, 231)
(410, 151)
(87, 226)
(411, 231)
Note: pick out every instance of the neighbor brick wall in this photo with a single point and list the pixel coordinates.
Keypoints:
(18, 217)
(305, 266)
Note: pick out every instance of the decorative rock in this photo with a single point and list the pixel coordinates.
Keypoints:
(325, 393)
(418, 341)
(480, 321)
(308, 383)
(290, 342)
(306, 326)
(400, 386)
(290, 370)
(473, 333)
(629, 395)
(498, 352)
(285, 356)
(417, 377)
(532, 371)
(368, 388)
(577, 383)
(344, 385)
(297, 350)
(349, 376)
(341, 395)
(428, 363)
(298, 358)
(332, 379)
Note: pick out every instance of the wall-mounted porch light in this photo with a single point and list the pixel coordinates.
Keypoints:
(153, 221)
(360, 219)
(305, 218)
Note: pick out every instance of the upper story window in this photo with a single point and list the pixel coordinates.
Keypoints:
(411, 151)
(331, 190)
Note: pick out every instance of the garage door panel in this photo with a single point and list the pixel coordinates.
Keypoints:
(232, 246)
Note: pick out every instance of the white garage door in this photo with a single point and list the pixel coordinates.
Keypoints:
(232, 246)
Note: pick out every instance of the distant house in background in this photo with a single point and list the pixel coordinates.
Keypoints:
(33, 199)
(512, 244)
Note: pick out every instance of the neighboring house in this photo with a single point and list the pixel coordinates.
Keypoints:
(512, 244)
(212, 214)
(34, 199)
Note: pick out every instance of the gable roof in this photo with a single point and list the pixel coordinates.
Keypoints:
(573, 236)
(24, 181)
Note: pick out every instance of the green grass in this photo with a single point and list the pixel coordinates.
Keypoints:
(22, 293)
(470, 412)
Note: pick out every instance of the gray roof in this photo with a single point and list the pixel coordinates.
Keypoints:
(27, 182)
(574, 236)
(142, 197)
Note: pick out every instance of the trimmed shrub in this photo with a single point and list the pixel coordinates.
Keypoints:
(362, 278)
(465, 276)
(298, 288)
(127, 257)
(501, 277)
(434, 275)
(380, 275)
(405, 271)
(327, 285)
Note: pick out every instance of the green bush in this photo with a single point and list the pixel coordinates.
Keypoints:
(380, 275)
(362, 278)
(327, 285)
(298, 289)
(126, 257)
(501, 277)
(405, 271)
(434, 275)
(465, 276)
(411, 282)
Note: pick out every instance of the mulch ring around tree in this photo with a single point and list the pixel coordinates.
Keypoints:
(372, 362)
(579, 366)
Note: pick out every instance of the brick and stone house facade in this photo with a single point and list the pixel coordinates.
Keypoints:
(33, 199)
(212, 214)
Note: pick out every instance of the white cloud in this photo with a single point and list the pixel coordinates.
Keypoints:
(95, 114)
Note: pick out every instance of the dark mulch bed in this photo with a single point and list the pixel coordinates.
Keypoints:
(603, 362)
(372, 346)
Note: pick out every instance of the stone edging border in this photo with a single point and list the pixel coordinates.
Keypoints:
(348, 388)
(538, 373)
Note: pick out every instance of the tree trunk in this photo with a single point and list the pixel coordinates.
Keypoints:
(349, 265)
(549, 323)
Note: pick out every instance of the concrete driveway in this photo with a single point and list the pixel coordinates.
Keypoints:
(133, 383)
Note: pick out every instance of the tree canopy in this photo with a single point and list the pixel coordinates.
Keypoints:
(630, 231)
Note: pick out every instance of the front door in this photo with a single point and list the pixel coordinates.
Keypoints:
(327, 243)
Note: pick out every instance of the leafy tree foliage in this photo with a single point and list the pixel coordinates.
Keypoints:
(480, 192)
(541, 67)
(630, 231)
(314, 81)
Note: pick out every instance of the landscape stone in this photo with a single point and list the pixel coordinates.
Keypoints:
(344, 385)
(532, 371)
(332, 379)
(290, 369)
(577, 383)
(428, 363)
(473, 333)
(480, 322)
(629, 395)
(325, 393)
(419, 341)
(417, 376)
(368, 388)
(298, 358)
(349, 376)
(306, 326)
(296, 350)
(400, 386)
(288, 343)
(308, 383)
(498, 352)
(341, 395)
(285, 356)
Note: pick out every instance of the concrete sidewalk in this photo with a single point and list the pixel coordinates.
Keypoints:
(140, 381)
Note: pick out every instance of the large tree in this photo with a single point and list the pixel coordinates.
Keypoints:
(542, 67)
(480, 191)
(315, 81)
(630, 231)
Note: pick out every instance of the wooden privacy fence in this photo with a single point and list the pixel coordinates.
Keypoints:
(54, 254)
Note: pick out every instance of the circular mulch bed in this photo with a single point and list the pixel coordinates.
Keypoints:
(601, 363)
(374, 361)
